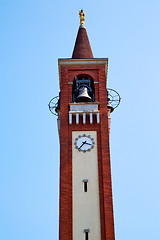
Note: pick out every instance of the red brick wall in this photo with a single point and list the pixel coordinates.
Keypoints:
(105, 186)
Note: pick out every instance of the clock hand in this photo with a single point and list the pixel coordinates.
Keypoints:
(88, 143)
(82, 144)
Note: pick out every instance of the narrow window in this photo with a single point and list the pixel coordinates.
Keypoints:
(86, 234)
(85, 185)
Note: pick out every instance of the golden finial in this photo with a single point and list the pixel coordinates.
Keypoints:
(82, 15)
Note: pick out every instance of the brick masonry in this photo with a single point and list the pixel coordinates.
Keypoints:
(98, 74)
(82, 48)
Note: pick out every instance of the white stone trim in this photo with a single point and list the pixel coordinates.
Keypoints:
(75, 62)
(84, 118)
(91, 117)
(98, 118)
(84, 115)
(77, 118)
(83, 107)
(70, 118)
(86, 205)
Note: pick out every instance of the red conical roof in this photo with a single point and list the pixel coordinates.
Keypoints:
(82, 48)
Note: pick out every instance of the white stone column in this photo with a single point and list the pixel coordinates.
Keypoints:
(70, 118)
(98, 118)
(91, 118)
(84, 118)
(77, 118)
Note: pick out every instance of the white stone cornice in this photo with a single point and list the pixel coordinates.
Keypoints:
(77, 62)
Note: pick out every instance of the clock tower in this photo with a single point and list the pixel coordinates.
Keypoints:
(85, 206)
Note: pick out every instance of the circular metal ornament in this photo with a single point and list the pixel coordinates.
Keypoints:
(113, 98)
(84, 143)
(53, 104)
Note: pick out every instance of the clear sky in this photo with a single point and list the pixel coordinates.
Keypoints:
(34, 34)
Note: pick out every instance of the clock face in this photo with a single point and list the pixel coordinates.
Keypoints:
(84, 143)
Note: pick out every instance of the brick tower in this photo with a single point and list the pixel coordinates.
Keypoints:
(86, 208)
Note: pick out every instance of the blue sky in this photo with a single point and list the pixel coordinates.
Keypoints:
(34, 34)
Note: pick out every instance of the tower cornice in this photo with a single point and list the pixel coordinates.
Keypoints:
(62, 62)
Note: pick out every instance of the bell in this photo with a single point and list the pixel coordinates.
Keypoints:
(83, 95)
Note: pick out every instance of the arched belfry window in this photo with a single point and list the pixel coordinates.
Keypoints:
(83, 89)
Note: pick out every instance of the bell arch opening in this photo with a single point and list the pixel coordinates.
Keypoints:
(83, 89)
